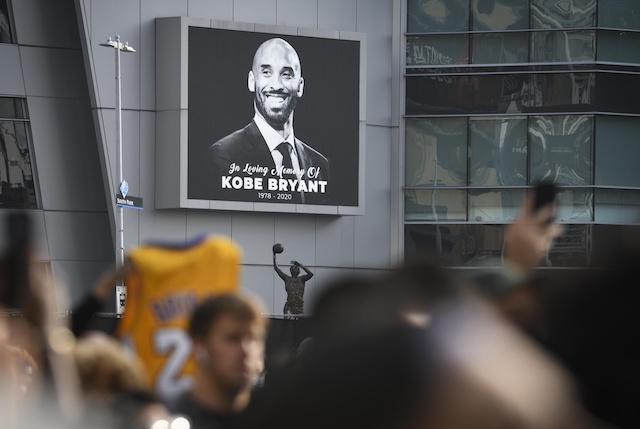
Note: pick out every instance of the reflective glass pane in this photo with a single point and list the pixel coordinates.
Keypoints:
(563, 46)
(573, 248)
(563, 13)
(574, 205)
(437, 15)
(5, 23)
(436, 152)
(618, 46)
(519, 93)
(618, 92)
(560, 148)
(456, 245)
(494, 205)
(439, 94)
(482, 246)
(617, 206)
(437, 50)
(498, 151)
(619, 14)
(500, 14)
(465, 94)
(16, 176)
(617, 151)
(437, 205)
(12, 108)
(442, 243)
(500, 48)
(561, 91)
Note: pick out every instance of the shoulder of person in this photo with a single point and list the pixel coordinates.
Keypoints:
(231, 139)
(311, 152)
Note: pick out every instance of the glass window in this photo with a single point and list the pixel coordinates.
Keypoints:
(563, 13)
(6, 33)
(617, 206)
(481, 245)
(498, 151)
(574, 205)
(12, 108)
(442, 94)
(436, 205)
(619, 14)
(617, 151)
(437, 50)
(500, 48)
(437, 15)
(436, 152)
(500, 15)
(618, 46)
(443, 243)
(560, 148)
(17, 188)
(494, 205)
(618, 92)
(573, 248)
(552, 92)
(517, 93)
(563, 46)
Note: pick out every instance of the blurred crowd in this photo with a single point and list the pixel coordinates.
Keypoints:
(419, 346)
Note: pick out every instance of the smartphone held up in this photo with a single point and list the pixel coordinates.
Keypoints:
(545, 193)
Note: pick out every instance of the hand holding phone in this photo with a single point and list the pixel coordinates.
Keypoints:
(528, 239)
(545, 193)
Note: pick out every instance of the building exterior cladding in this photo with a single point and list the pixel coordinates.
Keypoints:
(503, 93)
(468, 102)
(56, 65)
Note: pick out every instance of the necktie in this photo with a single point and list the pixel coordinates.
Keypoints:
(285, 149)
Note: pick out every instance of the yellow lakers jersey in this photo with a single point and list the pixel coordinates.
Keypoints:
(164, 287)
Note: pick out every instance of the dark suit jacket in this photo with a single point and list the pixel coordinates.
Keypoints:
(247, 146)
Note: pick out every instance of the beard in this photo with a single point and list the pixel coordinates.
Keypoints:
(276, 117)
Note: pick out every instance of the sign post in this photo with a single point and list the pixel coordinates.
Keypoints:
(119, 46)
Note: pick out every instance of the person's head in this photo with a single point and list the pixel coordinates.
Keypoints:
(276, 81)
(295, 270)
(106, 368)
(228, 333)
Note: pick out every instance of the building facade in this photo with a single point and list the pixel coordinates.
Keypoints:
(466, 104)
(501, 94)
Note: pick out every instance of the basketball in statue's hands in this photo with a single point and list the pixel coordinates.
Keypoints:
(278, 248)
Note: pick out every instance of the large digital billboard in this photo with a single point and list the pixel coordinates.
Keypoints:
(258, 118)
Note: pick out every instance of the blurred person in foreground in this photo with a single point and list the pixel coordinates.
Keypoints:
(228, 333)
(38, 382)
(102, 289)
(116, 390)
(416, 347)
(585, 320)
(514, 287)
(594, 329)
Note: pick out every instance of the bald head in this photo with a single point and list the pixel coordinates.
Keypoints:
(276, 80)
(276, 47)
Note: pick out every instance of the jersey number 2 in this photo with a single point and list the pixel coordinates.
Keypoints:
(176, 344)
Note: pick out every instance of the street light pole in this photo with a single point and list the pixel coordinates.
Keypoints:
(122, 185)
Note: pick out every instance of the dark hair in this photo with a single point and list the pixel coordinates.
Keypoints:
(211, 308)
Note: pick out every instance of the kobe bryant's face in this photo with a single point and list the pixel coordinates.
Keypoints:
(276, 81)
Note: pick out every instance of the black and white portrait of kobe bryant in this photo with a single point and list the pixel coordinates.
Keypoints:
(268, 147)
